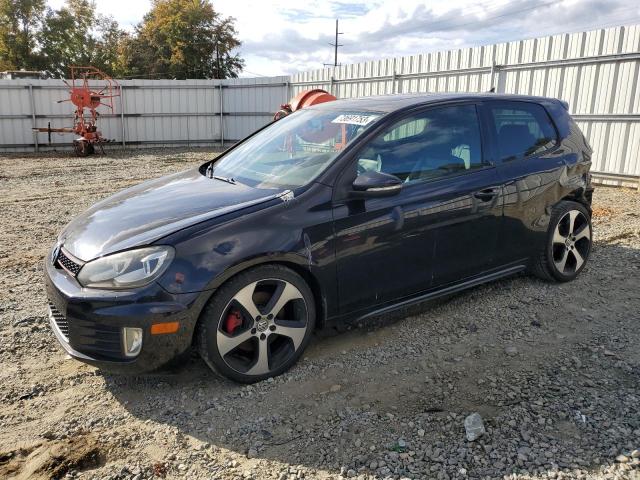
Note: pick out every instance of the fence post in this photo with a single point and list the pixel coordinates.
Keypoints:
(221, 118)
(124, 142)
(394, 89)
(33, 119)
(502, 79)
(491, 76)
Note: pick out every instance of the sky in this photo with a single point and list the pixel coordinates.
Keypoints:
(280, 37)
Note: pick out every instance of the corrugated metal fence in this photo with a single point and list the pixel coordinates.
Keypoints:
(148, 112)
(596, 72)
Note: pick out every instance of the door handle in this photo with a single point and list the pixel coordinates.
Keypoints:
(487, 194)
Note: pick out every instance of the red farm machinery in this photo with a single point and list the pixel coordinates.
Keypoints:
(89, 89)
(305, 98)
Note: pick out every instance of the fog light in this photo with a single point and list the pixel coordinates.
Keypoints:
(132, 339)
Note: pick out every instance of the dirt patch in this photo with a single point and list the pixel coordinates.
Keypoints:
(51, 459)
(599, 212)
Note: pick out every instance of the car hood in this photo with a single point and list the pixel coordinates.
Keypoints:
(147, 212)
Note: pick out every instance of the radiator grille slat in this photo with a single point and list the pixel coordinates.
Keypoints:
(69, 265)
(60, 321)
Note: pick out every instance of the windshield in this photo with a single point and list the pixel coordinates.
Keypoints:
(294, 150)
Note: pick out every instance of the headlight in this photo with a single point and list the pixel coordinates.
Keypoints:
(130, 269)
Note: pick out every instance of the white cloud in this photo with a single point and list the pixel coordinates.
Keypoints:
(284, 36)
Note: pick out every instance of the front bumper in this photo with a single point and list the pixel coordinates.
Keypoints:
(88, 323)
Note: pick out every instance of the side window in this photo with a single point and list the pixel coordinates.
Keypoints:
(523, 129)
(407, 128)
(433, 144)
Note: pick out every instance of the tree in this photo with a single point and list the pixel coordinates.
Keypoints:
(183, 39)
(176, 39)
(20, 20)
(76, 35)
(109, 53)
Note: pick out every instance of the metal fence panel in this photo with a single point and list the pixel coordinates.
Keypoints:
(149, 112)
(596, 72)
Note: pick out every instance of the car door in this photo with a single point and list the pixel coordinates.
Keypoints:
(440, 227)
(531, 166)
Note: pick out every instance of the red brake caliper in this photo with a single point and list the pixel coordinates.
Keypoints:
(232, 322)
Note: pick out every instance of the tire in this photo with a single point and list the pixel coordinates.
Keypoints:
(257, 324)
(82, 148)
(568, 243)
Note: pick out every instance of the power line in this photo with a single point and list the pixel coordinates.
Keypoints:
(244, 70)
(446, 24)
(451, 24)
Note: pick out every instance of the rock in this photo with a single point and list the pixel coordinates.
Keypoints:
(335, 388)
(351, 473)
(252, 453)
(402, 443)
(635, 454)
(511, 350)
(622, 459)
(421, 432)
(474, 427)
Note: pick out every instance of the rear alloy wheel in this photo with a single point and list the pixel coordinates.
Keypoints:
(568, 245)
(258, 324)
(571, 242)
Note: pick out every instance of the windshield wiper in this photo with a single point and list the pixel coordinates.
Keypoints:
(224, 179)
(209, 173)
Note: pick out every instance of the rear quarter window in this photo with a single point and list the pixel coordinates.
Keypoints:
(522, 130)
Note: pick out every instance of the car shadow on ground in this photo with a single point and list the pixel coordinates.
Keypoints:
(552, 369)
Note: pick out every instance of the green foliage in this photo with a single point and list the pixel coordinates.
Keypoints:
(184, 39)
(20, 21)
(176, 39)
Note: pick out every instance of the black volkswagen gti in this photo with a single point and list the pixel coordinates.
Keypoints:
(335, 213)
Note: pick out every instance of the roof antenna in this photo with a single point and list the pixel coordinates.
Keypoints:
(492, 90)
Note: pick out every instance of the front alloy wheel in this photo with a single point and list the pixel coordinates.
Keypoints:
(258, 324)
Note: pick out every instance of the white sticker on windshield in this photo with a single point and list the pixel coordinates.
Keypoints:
(354, 119)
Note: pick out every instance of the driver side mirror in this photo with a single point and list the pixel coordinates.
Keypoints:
(372, 184)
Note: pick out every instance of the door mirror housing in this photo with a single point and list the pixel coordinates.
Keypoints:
(373, 184)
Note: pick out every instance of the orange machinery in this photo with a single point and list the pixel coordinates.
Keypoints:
(89, 89)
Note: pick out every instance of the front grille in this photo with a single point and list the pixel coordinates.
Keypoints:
(60, 321)
(69, 265)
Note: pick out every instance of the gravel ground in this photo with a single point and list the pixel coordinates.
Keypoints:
(553, 370)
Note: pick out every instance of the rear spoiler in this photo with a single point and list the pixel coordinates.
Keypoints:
(565, 104)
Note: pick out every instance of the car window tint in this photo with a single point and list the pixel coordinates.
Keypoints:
(430, 145)
(406, 128)
(523, 129)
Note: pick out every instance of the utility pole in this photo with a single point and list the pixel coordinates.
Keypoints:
(335, 46)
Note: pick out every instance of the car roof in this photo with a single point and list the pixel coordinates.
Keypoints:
(392, 103)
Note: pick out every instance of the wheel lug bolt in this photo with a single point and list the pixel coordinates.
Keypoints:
(258, 318)
(270, 316)
(253, 331)
(263, 336)
(272, 328)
